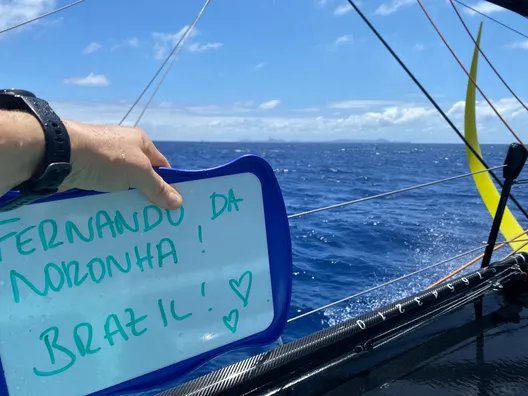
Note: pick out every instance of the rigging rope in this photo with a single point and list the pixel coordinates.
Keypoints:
(41, 16)
(473, 261)
(484, 55)
(431, 99)
(175, 51)
(385, 284)
(340, 205)
(493, 19)
(390, 282)
(430, 316)
(516, 250)
(469, 75)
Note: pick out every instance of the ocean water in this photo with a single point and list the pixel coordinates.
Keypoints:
(343, 251)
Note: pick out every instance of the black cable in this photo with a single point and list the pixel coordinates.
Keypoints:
(433, 102)
(493, 19)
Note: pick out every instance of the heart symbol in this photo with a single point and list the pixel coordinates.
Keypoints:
(235, 285)
(229, 318)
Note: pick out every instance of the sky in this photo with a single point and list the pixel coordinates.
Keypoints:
(307, 70)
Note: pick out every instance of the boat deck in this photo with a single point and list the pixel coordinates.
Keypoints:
(462, 344)
(458, 360)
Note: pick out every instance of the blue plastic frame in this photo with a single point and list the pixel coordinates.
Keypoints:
(280, 259)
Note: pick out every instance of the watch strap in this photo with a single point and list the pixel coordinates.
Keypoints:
(55, 166)
(57, 140)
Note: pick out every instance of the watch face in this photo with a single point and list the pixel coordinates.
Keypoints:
(14, 92)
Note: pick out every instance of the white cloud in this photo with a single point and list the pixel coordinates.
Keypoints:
(309, 110)
(393, 6)
(259, 66)
(345, 39)
(128, 43)
(242, 107)
(395, 115)
(197, 47)
(245, 120)
(91, 48)
(93, 80)
(165, 42)
(207, 123)
(17, 11)
(270, 104)
(518, 45)
(342, 9)
(508, 107)
(244, 104)
(132, 42)
(339, 10)
(485, 7)
(361, 104)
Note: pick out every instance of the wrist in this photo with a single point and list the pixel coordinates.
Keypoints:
(22, 144)
(36, 144)
(79, 142)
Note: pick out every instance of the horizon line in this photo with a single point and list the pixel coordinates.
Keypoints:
(337, 141)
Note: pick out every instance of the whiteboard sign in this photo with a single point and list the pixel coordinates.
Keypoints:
(107, 292)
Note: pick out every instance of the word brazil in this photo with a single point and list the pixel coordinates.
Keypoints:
(83, 337)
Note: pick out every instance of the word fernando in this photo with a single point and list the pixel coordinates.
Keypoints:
(46, 235)
(73, 274)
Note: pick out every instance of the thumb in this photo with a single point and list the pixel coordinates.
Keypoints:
(157, 191)
(63, 188)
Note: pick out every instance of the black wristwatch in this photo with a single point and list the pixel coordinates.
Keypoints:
(55, 166)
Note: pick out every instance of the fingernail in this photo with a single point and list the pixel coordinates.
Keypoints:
(175, 200)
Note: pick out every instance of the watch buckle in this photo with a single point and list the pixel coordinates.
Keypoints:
(49, 182)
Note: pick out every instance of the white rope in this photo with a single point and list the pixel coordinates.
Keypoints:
(394, 281)
(340, 205)
(385, 284)
(41, 16)
(174, 53)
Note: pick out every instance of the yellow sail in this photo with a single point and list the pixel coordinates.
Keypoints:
(510, 227)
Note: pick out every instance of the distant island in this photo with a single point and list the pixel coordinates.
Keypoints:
(368, 141)
(273, 140)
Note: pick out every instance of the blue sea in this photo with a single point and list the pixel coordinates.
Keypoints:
(343, 251)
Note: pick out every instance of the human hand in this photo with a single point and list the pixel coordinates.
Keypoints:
(113, 158)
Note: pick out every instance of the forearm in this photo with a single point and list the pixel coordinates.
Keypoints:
(21, 147)
(103, 158)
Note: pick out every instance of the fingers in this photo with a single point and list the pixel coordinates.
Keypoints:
(155, 188)
(4, 190)
(157, 191)
(154, 156)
